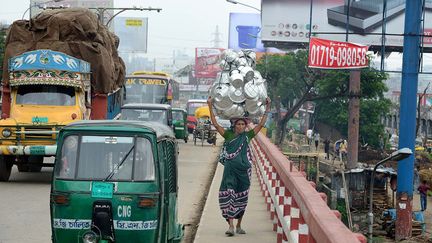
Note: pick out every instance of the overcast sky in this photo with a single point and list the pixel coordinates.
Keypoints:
(181, 25)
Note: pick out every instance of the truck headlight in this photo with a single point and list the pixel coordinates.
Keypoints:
(89, 237)
(6, 132)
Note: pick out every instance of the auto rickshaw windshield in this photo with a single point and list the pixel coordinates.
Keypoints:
(177, 115)
(145, 115)
(106, 157)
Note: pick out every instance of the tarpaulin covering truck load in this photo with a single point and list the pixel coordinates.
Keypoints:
(59, 67)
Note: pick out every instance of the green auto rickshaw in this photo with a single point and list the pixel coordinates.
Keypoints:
(180, 124)
(115, 181)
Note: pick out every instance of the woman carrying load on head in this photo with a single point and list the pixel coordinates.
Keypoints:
(236, 158)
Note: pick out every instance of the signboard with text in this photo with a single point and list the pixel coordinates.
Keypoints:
(132, 33)
(289, 23)
(207, 62)
(336, 54)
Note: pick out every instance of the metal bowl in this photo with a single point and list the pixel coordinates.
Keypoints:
(222, 78)
(252, 106)
(236, 95)
(219, 91)
(251, 90)
(236, 79)
(229, 55)
(247, 72)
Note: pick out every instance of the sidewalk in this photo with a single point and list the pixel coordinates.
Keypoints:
(256, 221)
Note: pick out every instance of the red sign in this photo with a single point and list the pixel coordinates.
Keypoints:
(336, 55)
(207, 62)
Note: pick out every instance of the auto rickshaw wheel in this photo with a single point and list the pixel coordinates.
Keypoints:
(6, 163)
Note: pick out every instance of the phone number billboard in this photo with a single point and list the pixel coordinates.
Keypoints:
(289, 22)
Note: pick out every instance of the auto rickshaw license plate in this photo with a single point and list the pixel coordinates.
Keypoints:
(102, 189)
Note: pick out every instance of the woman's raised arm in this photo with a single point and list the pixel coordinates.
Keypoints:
(220, 129)
(263, 118)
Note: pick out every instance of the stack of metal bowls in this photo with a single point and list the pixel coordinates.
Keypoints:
(239, 90)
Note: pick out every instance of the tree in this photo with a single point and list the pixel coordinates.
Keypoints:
(2, 48)
(291, 83)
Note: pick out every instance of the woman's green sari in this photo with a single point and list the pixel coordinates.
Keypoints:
(234, 188)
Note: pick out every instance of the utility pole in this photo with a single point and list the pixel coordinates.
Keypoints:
(217, 40)
(353, 119)
(410, 68)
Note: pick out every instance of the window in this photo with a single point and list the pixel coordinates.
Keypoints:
(116, 159)
(45, 95)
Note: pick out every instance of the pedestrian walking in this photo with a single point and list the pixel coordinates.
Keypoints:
(423, 189)
(336, 149)
(291, 134)
(235, 156)
(309, 133)
(344, 150)
(327, 148)
(316, 140)
(416, 177)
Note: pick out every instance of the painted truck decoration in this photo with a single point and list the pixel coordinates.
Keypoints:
(46, 91)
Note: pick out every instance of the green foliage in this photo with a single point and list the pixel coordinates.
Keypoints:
(342, 209)
(373, 105)
(2, 49)
(289, 78)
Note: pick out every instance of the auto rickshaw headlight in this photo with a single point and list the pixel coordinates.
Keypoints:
(89, 237)
(6, 132)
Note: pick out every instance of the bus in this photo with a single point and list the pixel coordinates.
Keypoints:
(151, 87)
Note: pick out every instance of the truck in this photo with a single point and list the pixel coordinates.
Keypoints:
(45, 89)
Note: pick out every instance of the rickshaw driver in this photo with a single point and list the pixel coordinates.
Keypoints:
(144, 159)
(69, 152)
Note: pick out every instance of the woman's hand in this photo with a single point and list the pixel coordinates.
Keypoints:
(268, 102)
(209, 101)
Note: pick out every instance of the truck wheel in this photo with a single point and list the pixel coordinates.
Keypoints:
(35, 163)
(5, 167)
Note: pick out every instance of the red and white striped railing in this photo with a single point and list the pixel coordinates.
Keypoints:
(299, 212)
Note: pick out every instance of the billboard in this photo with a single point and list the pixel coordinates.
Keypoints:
(207, 62)
(132, 33)
(288, 22)
(245, 32)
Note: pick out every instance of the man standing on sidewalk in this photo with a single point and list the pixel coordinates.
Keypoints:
(327, 148)
(423, 189)
(316, 139)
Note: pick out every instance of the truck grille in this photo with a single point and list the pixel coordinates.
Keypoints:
(25, 134)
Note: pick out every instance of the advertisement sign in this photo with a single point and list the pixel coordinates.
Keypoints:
(288, 22)
(207, 62)
(336, 55)
(132, 33)
(245, 32)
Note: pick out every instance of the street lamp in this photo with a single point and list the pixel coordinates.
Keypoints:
(396, 155)
(38, 5)
(236, 2)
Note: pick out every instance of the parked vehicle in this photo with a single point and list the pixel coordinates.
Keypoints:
(159, 113)
(39, 101)
(191, 106)
(180, 124)
(46, 89)
(115, 181)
